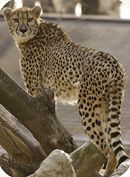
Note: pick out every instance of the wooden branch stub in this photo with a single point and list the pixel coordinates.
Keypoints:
(87, 159)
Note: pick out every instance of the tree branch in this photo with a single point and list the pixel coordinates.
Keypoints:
(23, 149)
(37, 114)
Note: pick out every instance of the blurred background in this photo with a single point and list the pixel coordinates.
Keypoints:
(100, 24)
(118, 8)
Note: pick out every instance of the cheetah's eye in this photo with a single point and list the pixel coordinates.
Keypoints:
(30, 19)
(16, 20)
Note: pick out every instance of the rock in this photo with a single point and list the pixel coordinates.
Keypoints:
(123, 170)
(57, 164)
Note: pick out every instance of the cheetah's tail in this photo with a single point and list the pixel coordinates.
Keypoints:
(116, 98)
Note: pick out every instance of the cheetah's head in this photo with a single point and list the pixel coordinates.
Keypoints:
(23, 22)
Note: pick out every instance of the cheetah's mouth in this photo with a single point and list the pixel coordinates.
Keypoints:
(21, 35)
(25, 35)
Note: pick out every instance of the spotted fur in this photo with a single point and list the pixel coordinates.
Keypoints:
(93, 79)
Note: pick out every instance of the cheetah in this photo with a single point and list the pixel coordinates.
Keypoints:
(93, 79)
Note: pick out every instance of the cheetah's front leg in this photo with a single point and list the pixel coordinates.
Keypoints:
(32, 78)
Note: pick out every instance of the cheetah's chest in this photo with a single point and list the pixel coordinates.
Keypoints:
(66, 95)
(63, 92)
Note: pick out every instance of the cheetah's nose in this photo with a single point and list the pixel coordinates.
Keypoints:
(23, 30)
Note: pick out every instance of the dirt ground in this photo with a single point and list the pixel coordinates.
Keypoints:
(112, 36)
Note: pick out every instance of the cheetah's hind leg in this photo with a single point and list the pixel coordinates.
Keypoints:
(91, 120)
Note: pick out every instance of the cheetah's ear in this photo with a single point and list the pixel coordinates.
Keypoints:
(37, 11)
(7, 12)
